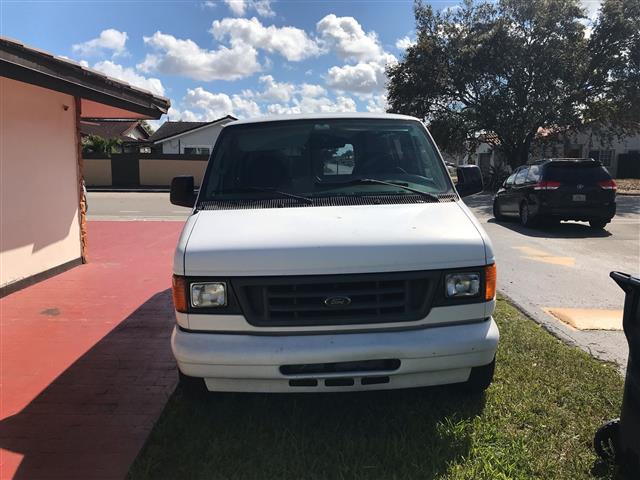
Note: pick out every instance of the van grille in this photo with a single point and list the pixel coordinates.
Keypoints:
(336, 299)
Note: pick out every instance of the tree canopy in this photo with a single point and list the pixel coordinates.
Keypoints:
(514, 66)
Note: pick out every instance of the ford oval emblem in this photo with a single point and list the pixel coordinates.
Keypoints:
(337, 301)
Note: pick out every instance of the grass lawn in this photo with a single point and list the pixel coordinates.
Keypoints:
(536, 421)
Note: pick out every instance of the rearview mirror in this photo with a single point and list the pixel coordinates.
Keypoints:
(182, 191)
(469, 180)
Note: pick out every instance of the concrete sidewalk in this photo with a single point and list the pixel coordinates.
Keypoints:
(86, 366)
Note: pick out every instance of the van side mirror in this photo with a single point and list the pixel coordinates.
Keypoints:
(182, 191)
(469, 180)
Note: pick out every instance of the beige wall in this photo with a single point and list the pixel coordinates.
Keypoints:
(97, 173)
(38, 181)
(160, 172)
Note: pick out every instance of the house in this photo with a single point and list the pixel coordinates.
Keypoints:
(190, 138)
(128, 133)
(620, 155)
(124, 130)
(43, 100)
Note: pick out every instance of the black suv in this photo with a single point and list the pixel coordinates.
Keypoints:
(558, 189)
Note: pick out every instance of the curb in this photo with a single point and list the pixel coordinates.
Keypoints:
(557, 331)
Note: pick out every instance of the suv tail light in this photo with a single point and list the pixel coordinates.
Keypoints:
(546, 185)
(608, 185)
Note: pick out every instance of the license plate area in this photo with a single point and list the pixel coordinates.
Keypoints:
(580, 197)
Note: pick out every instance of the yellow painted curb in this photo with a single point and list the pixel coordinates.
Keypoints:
(588, 318)
(537, 255)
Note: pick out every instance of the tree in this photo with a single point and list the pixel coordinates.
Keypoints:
(97, 144)
(510, 68)
(615, 66)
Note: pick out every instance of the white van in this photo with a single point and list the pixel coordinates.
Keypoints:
(332, 253)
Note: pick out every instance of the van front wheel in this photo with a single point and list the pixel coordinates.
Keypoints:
(480, 378)
(191, 387)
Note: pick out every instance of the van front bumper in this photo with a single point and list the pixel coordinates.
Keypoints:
(251, 363)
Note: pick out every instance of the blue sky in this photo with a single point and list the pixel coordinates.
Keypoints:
(245, 57)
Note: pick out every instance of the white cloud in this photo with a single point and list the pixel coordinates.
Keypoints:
(404, 43)
(292, 43)
(263, 8)
(314, 105)
(591, 7)
(237, 7)
(109, 40)
(240, 7)
(209, 4)
(348, 38)
(312, 90)
(362, 78)
(185, 57)
(275, 91)
(216, 105)
(377, 103)
(130, 76)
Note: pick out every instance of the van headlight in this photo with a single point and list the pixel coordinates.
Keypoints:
(462, 284)
(210, 294)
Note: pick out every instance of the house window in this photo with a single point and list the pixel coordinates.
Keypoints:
(605, 156)
(145, 149)
(197, 150)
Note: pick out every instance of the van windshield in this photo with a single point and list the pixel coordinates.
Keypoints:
(311, 158)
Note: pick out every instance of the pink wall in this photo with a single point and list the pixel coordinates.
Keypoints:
(38, 181)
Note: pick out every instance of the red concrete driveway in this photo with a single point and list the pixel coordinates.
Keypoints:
(85, 362)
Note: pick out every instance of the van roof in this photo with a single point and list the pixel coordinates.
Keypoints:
(323, 116)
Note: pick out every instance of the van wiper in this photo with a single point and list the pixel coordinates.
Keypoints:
(269, 190)
(375, 181)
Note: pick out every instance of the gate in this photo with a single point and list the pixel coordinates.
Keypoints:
(628, 165)
(125, 169)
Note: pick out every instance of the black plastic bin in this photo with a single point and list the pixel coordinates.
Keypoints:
(619, 440)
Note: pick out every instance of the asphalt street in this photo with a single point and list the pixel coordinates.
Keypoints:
(567, 266)
(562, 267)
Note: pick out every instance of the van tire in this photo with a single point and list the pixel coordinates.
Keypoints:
(496, 211)
(480, 378)
(598, 224)
(192, 387)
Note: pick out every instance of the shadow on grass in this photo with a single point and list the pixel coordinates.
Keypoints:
(338, 435)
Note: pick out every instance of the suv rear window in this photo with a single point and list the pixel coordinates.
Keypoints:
(574, 173)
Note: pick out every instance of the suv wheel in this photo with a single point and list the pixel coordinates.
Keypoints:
(525, 215)
(598, 224)
(496, 211)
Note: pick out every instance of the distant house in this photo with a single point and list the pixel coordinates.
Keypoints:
(191, 138)
(621, 156)
(43, 100)
(129, 133)
(125, 130)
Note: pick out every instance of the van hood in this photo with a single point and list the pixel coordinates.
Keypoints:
(330, 240)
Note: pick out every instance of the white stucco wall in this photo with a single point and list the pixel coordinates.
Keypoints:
(38, 181)
(97, 172)
(203, 137)
(161, 172)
